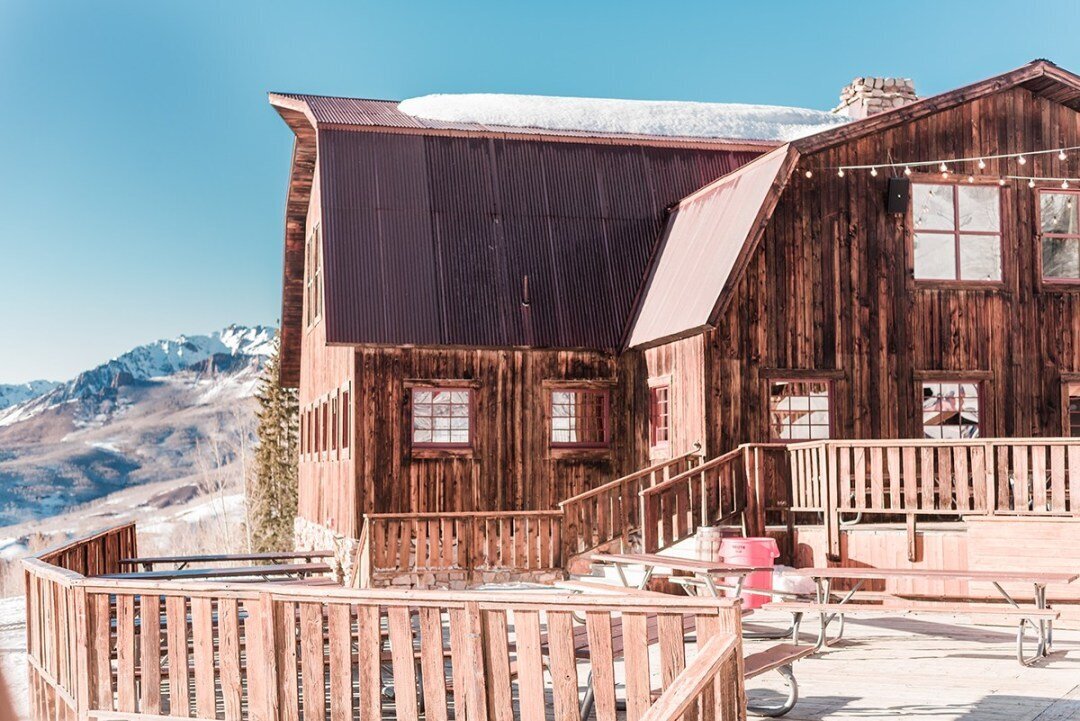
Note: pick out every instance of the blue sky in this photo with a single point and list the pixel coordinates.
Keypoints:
(144, 173)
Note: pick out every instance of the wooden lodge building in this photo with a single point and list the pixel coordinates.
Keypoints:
(485, 318)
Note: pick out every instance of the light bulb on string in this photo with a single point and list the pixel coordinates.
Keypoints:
(1001, 181)
(1061, 155)
(907, 171)
(944, 173)
(873, 172)
(809, 173)
(943, 168)
(1065, 185)
(982, 164)
(971, 178)
(1021, 159)
(1031, 183)
(840, 173)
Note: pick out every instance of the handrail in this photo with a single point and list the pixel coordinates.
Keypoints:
(460, 514)
(695, 678)
(623, 480)
(696, 470)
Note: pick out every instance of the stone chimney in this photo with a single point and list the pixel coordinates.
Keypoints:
(869, 96)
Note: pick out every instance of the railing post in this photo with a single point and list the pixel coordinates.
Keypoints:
(81, 680)
(827, 453)
(991, 479)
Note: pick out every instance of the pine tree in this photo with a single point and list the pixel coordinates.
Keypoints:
(272, 481)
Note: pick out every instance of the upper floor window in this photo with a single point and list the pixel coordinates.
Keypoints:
(1059, 225)
(579, 417)
(800, 410)
(313, 278)
(957, 231)
(442, 417)
(1071, 402)
(659, 414)
(951, 409)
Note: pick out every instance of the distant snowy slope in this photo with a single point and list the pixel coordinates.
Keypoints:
(671, 118)
(12, 395)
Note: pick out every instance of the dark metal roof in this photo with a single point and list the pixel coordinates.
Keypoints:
(429, 239)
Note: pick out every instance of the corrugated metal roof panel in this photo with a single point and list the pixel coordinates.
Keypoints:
(704, 238)
(428, 238)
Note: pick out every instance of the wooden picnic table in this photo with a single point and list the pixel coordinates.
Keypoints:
(299, 570)
(148, 562)
(704, 571)
(1038, 615)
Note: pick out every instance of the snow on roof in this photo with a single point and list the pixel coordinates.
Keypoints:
(670, 118)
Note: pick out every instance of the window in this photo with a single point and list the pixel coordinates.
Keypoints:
(334, 427)
(1072, 409)
(346, 421)
(957, 232)
(316, 446)
(660, 415)
(1059, 223)
(579, 417)
(441, 417)
(800, 410)
(950, 409)
(303, 433)
(323, 444)
(313, 278)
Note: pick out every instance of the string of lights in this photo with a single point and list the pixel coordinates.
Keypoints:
(948, 165)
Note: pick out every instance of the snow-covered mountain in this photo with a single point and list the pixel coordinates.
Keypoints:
(220, 350)
(14, 394)
(181, 408)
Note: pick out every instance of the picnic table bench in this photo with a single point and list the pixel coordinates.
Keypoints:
(704, 571)
(264, 572)
(1038, 615)
(182, 562)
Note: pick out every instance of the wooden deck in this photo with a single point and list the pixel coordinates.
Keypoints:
(930, 668)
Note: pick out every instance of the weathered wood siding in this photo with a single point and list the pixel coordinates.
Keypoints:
(511, 465)
(327, 480)
(683, 363)
(831, 288)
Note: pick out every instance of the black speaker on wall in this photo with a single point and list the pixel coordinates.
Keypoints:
(899, 195)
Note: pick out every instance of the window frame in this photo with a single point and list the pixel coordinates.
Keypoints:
(588, 389)
(655, 385)
(1068, 379)
(313, 277)
(1053, 282)
(956, 283)
(830, 385)
(437, 387)
(961, 378)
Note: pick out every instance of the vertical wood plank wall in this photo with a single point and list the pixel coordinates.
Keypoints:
(683, 361)
(830, 288)
(327, 484)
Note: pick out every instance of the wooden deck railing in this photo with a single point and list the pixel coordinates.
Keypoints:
(712, 492)
(132, 649)
(909, 478)
(513, 542)
(612, 511)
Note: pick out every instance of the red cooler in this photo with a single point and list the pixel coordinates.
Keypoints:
(751, 552)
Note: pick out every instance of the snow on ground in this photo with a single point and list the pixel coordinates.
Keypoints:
(670, 118)
(13, 651)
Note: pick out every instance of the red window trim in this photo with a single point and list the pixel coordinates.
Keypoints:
(604, 393)
(980, 390)
(829, 385)
(1043, 278)
(958, 282)
(659, 385)
(1066, 420)
(427, 445)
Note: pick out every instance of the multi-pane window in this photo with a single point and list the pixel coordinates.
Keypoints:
(659, 415)
(579, 417)
(957, 232)
(313, 278)
(799, 410)
(346, 421)
(441, 417)
(1072, 409)
(1059, 223)
(950, 409)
